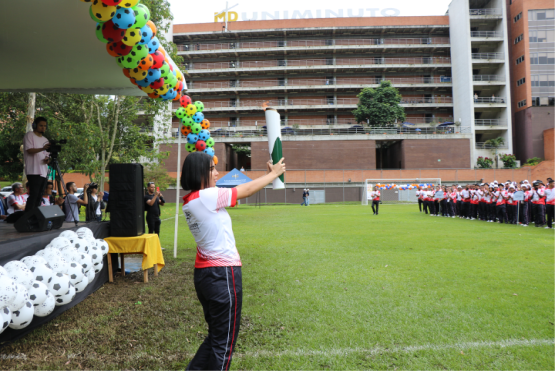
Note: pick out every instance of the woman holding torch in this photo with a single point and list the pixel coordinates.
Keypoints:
(217, 276)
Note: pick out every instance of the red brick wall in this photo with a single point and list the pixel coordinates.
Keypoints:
(424, 153)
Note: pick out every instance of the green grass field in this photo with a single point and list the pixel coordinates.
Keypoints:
(330, 287)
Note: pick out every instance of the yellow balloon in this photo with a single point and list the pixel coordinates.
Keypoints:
(163, 90)
(128, 3)
(138, 74)
(147, 89)
(179, 75)
(102, 11)
(191, 109)
(132, 36)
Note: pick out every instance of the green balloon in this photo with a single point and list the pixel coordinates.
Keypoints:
(142, 15)
(180, 112)
(196, 128)
(210, 142)
(199, 105)
(191, 147)
(119, 61)
(187, 120)
(171, 79)
(165, 70)
(138, 52)
(99, 33)
(93, 17)
(128, 61)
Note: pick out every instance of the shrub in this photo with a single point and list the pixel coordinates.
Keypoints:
(509, 161)
(533, 161)
(484, 162)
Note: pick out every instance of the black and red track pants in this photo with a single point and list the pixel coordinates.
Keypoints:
(220, 292)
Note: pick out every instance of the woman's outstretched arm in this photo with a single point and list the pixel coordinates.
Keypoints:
(250, 188)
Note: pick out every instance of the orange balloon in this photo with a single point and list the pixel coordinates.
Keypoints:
(163, 51)
(146, 63)
(185, 130)
(126, 72)
(205, 124)
(153, 95)
(133, 81)
(215, 158)
(152, 27)
(177, 96)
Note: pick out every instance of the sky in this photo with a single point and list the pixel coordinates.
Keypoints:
(245, 10)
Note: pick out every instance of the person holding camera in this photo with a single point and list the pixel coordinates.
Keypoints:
(35, 147)
(72, 202)
(153, 201)
(93, 210)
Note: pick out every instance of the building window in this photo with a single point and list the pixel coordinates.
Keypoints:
(542, 58)
(522, 103)
(540, 14)
(521, 81)
(517, 17)
(520, 60)
(543, 80)
(518, 39)
(542, 36)
(543, 101)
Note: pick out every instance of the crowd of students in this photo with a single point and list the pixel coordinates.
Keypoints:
(492, 202)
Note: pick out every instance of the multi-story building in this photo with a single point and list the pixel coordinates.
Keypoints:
(311, 71)
(532, 59)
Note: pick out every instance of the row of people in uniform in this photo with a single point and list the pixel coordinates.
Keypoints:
(492, 202)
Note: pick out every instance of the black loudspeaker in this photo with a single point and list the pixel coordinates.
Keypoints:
(126, 200)
(43, 218)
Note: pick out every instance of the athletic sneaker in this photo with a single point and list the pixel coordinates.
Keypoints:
(472, 218)
(525, 225)
(548, 228)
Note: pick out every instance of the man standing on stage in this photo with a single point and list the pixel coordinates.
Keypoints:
(153, 201)
(35, 146)
(72, 202)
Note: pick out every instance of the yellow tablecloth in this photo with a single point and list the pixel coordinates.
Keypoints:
(147, 244)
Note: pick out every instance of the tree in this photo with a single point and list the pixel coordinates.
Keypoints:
(494, 144)
(380, 107)
(158, 174)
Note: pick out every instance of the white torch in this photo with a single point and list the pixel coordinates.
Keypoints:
(274, 142)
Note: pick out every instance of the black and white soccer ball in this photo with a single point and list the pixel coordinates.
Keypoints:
(59, 243)
(38, 293)
(8, 290)
(82, 245)
(5, 318)
(75, 272)
(57, 263)
(103, 245)
(86, 262)
(90, 275)
(46, 307)
(96, 255)
(22, 317)
(98, 268)
(70, 235)
(67, 298)
(42, 273)
(84, 231)
(19, 272)
(59, 285)
(80, 286)
(21, 297)
(33, 260)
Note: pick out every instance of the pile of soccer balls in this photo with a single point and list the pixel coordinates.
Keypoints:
(52, 277)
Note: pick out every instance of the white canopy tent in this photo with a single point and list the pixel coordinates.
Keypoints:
(51, 46)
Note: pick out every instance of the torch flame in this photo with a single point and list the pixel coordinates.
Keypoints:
(265, 105)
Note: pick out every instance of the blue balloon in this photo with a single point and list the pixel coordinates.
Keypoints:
(143, 83)
(198, 117)
(124, 18)
(210, 151)
(153, 74)
(192, 138)
(153, 44)
(146, 35)
(168, 96)
(204, 135)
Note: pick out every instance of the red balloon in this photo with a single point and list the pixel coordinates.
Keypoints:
(157, 84)
(118, 49)
(126, 72)
(133, 81)
(201, 145)
(111, 32)
(185, 100)
(112, 2)
(158, 59)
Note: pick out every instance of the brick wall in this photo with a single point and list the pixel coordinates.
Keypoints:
(424, 153)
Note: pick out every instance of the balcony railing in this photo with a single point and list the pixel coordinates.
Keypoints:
(487, 78)
(315, 122)
(312, 102)
(486, 11)
(311, 43)
(490, 122)
(347, 82)
(488, 56)
(486, 34)
(489, 100)
(483, 145)
(355, 129)
(315, 62)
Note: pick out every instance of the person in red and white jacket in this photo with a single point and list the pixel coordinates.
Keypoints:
(453, 201)
(419, 196)
(525, 204)
(538, 204)
(550, 203)
(501, 196)
(512, 214)
(217, 277)
(376, 200)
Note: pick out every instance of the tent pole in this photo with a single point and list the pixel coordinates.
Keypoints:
(177, 194)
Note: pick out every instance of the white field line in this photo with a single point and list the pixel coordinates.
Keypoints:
(171, 217)
(405, 349)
